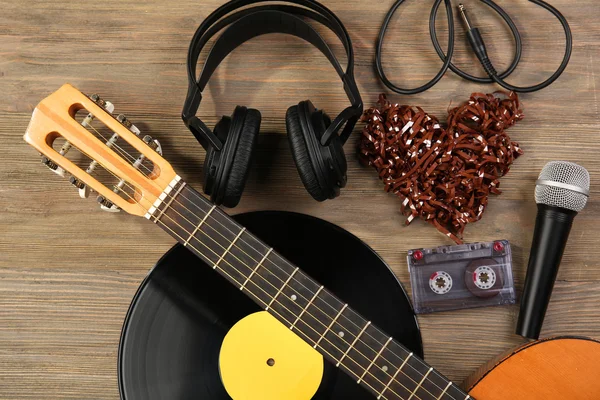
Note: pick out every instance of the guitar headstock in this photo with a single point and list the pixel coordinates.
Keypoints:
(123, 166)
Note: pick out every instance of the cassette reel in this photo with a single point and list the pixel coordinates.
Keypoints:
(462, 276)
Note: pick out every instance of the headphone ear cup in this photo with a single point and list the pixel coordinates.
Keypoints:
(333, 157)
(213, 157)
(242, 156)
(338, 158)
(297, 139)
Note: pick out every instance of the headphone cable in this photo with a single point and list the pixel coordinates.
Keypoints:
(449, 52)
(477, 44)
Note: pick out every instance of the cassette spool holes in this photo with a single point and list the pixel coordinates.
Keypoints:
(440, 282)
(484, 277)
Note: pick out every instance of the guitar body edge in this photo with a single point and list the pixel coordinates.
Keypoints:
(552, 369)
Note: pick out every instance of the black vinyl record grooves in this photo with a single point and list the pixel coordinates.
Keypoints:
(174, 328)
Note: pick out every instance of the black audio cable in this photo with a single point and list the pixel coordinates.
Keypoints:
(446, 60)
(477, 44)
(461, 73)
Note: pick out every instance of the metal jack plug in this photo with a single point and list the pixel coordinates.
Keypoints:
(476, 41)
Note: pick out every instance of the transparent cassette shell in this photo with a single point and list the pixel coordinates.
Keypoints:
(462, 276)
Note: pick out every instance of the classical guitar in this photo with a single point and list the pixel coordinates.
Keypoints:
(127, 172)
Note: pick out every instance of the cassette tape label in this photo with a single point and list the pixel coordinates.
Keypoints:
(463, 276)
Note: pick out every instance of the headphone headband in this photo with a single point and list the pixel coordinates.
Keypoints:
(259, 23)
(252, 22)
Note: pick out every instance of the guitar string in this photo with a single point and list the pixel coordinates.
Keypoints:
(379, 393)
(382, 356)
(304, 310)
(277, 301)
(126, 155)
(400, 358)
(389, 388)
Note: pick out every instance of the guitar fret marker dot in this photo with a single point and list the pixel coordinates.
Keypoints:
(293, 297)
(384, 368)
(341, 333)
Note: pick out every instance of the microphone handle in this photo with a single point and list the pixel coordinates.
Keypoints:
(552, 227)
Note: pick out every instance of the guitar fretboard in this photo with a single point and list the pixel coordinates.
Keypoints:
(377, 362)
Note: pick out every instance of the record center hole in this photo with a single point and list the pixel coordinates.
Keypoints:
(440, 282)
(270, 362)
(484, 277)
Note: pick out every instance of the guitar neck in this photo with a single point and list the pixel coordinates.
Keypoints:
(377, 362)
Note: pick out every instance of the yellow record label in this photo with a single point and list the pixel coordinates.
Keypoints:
(261, 359)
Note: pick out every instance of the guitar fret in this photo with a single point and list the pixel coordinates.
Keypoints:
(394, 376)
(199, 225)
(445, 389)
(162, 197)
(304, 309)
(228, 248)
(375, 359)
(235, 254)
(281, 288)
(420, 383)
(330, 325)
(256, 268)
(168, 204)
(353, 343)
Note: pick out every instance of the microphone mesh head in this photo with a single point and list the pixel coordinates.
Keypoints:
(567, 173)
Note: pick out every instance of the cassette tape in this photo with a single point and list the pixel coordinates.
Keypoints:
(462, 276)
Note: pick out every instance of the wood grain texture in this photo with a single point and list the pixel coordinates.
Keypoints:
(69, 271)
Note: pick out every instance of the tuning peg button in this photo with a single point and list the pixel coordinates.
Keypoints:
(153, 143)
(76, 182)
(49, 163)
(98, 100)
(124, 121)
(53, 166)
(110, 209)
(127, 124)
(107, 105)
(84, 190)
(104, 201)
(107, 205)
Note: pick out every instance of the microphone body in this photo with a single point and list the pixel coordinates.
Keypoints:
(561, 191)
(552, 228)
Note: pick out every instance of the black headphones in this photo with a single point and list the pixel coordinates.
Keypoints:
(314, 140)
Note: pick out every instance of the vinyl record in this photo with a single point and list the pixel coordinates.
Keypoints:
(174, 328)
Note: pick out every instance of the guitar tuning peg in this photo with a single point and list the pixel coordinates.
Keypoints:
(127, 124)
(110, 107)
(49, 163)
(84, 190)
(112, 208)
(53, 166)
(153, 143)
(107, 105)
(87, 121)
(76, 182)
(107, 205)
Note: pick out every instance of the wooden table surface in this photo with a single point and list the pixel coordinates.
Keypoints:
(68, 271)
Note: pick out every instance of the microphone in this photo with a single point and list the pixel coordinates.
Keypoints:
(561, 191)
